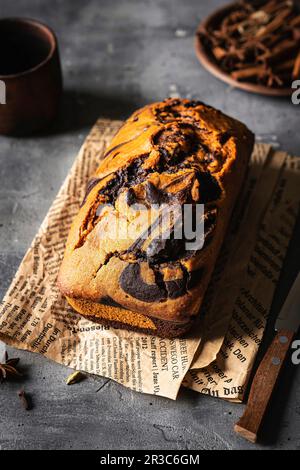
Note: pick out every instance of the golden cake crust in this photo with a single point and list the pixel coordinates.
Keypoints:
(175, 151)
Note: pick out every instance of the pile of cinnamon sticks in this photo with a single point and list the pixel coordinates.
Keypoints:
(258, 42)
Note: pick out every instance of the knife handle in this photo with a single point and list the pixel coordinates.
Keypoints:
(263, 385)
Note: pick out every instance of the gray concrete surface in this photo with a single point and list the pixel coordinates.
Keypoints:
(118, 55)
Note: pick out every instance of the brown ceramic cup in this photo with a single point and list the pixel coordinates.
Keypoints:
(30, 76)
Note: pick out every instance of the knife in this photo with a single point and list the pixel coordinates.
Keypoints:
(267, 374)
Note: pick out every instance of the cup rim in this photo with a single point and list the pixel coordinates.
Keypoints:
(42, 27)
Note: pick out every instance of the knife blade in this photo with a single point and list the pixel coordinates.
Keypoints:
(289, 316)
(267, 374)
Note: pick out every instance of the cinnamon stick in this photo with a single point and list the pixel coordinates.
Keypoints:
(296, 69)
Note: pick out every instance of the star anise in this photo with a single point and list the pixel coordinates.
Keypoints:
(8, 368)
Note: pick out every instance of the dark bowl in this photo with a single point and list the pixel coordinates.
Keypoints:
(208, 61)
(30, 76)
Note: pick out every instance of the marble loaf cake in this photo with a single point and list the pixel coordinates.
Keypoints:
(119, 268)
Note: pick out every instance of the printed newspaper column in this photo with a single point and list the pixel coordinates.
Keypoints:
(227, 376)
